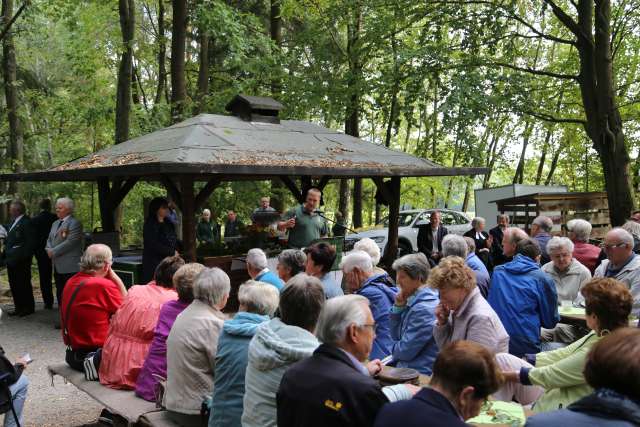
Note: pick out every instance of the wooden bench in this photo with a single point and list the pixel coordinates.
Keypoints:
(128, 409)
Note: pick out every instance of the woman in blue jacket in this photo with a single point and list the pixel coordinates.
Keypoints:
(412, 316)
(257, 301)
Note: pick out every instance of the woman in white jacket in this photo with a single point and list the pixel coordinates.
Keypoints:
(277, 345)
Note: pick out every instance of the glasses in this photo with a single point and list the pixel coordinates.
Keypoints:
(369, 325)
(615, 245)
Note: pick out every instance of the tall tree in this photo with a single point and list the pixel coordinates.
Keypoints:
(161, 55)
(16, 136)
(203, 70)
(125, 71)
(178, 50)
(275, 30)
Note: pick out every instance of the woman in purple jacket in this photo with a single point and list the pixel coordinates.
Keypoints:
(155, 366)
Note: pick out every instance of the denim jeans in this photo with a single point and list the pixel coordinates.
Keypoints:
(19, 395)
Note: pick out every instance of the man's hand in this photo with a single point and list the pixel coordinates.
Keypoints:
(20, 361)
(374, 367)
(50, 253)
(511, 377)
(442, 314)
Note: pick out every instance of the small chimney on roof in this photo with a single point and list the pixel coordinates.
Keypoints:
(255, 108)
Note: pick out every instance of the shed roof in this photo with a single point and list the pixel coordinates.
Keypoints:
(234, 149)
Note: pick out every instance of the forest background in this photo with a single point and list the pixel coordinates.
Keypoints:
(540, 91)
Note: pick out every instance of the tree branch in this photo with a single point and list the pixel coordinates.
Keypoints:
(6, 29)
(568, 21)
(552, 119)
(534, 71)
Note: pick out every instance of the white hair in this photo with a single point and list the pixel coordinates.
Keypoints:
(259, 297)
(514, 235)
(257, 259)
(67, 202)
(416, 266)
(211, 286)
(471, 245)
(206, 212)
(580, 228)
(356, 259)
(544, 222)
(632, 227)
(558, 243)
(477, 220)
(369, 246)
(338, 314)
(623, 235)
(455, 245)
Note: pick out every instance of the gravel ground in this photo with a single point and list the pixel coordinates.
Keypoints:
(47, 405)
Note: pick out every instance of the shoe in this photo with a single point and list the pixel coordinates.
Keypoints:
(26, 313)
(14, 313)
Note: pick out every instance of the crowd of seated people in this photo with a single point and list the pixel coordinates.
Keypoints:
(300, 353)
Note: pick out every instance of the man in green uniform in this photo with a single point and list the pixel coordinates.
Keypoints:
(303, 223)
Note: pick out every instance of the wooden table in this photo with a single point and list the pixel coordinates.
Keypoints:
(581, 320)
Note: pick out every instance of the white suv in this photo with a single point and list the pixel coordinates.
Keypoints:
(409, 223)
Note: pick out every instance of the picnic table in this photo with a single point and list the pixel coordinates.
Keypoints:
(578, 316)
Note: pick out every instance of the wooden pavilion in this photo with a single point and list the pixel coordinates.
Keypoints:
(250, 144)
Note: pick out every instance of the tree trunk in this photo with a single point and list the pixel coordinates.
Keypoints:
(343, 198)
(203, 72)
(178, 49)
(123, 95)
(518, 177)
(162, 54)
(16, 146)
(467, 194)
(278, 190)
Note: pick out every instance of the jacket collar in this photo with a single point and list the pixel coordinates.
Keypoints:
(434, 398)
(336, 353)
(467, 302)
(608, 404)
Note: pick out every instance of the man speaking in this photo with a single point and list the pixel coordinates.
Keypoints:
(303, 222)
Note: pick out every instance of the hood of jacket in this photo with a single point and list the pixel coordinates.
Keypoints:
(277, 344)
(521, 265)
(608, 404)
(244, 324)
(384, 284)
(423, 294)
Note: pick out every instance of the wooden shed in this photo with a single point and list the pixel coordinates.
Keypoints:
(561, 208)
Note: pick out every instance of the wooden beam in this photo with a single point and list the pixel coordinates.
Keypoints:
(120, 192)
(206, 191)
(172, 189)
(291, 185)
(107, 216)
(323, 182)
(188, 218)
(391, 251)
(382, 188)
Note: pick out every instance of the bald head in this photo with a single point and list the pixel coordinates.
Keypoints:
(96, 260)
(510, 239)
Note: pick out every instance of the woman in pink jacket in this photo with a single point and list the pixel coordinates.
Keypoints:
(131, 329)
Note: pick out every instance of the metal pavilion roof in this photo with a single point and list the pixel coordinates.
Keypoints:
(233, 149)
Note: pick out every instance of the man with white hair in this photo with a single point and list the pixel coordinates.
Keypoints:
(259, 271)
(265, 203)
(579, 231)
(338, 388)
(64, 244)
(621, 263)
(361, 279)
(207, 230)
(540, 231)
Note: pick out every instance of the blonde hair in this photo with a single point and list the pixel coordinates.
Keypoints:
(452, 273)
(183, 280)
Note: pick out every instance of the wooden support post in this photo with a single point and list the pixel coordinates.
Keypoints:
(323, 182)
(188, 218)
(172, 190)
(291, 185)
(206, 191)
(107, 211)
(391, 251)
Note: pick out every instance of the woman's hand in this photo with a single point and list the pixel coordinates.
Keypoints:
(374, 367)
(442, 314)
(511, 377)
(401, 299)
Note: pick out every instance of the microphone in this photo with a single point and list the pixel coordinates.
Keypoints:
(321, 215)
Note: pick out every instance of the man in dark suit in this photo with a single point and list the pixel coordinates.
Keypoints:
(42, 225)
(338, 388)
(497, 255)
(430, 238)
(18, 251)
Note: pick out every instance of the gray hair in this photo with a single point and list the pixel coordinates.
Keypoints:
(623, 235)
(293, 259)
(67, 202)
(471, 245)
(257, 259)
(477, 220)
(415, 266)
(206, 212)
(369, 246)
(259, 297)
(558, 243)
(95, 257)
(22, 208)
(338, 314)
(632, 227)
(356, 259)
(580, 228)
(514, 234)
(503, 216)
(455, 245)
(183, 280)
(211, 286)
(544, 222)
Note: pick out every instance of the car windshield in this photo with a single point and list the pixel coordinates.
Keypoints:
(405, 219)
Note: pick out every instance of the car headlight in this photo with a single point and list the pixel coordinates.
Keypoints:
(379, 239)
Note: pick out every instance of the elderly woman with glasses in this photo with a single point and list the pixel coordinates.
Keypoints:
(412, 316)
(463, 313)
(555, 379)
(290, 263)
